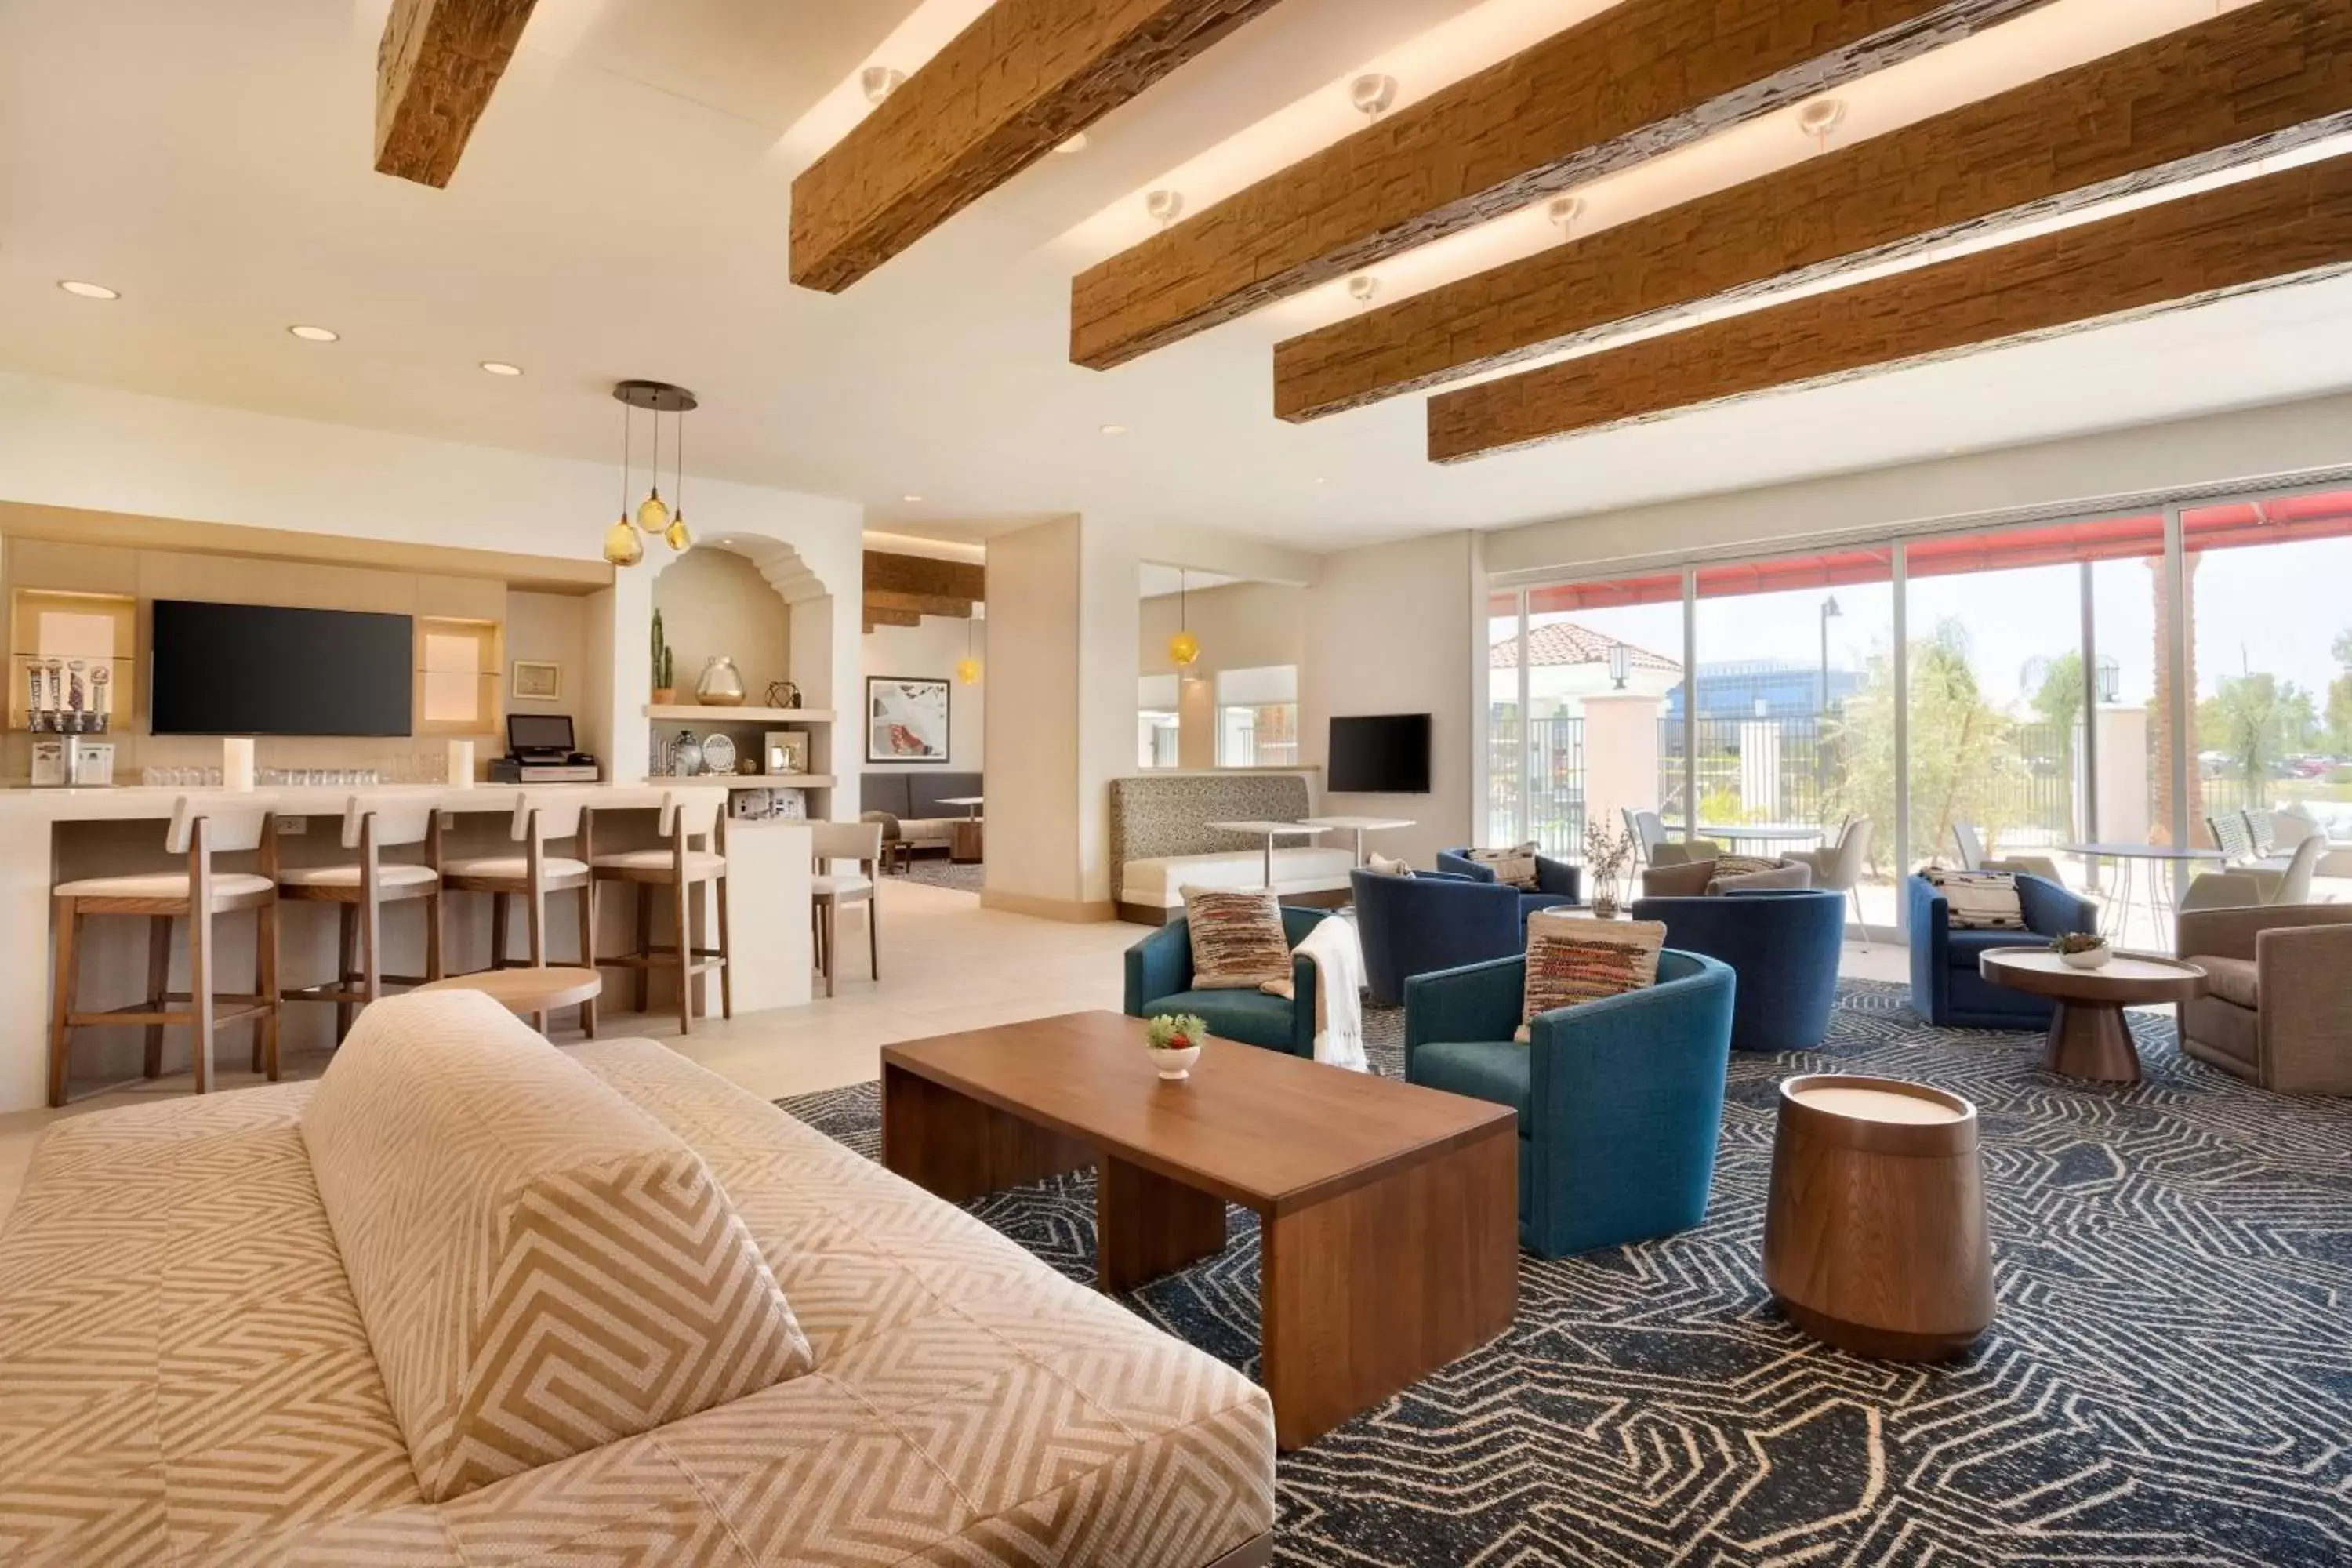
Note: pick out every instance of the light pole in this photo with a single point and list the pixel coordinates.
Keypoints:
(1830, 611)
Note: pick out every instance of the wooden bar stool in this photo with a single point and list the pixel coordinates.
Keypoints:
(678, 866)
(532, 876)
(830, 890)
(360, 890)
(199, 892)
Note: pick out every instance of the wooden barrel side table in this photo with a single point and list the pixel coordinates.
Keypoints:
(1875, 1236)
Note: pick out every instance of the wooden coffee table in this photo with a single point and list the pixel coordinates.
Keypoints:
(2088, 1037)
(1389, 1214)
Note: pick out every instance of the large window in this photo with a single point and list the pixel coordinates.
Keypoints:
(2069, 691)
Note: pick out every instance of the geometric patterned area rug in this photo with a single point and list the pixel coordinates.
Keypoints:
(2167, 1379)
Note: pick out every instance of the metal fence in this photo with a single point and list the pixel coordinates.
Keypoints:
(1790, 770)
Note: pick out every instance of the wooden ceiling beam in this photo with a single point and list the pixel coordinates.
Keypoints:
(435, 68)
(889, 573)
(1635, 81)
(874, 618)
(920, 604)
(2262, 232)
(1024, 76)
(2224, 92)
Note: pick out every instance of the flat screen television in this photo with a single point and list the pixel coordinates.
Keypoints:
(259, 669)
(1381, 753)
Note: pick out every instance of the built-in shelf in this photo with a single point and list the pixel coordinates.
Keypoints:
(750, 781)
(694, 713)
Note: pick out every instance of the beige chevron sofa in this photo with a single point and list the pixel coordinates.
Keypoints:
(471, 1299)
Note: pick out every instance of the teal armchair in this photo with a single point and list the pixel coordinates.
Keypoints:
(1160, 980)
(1619, 1101)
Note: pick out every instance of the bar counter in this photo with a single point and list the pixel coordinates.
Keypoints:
(48, 836)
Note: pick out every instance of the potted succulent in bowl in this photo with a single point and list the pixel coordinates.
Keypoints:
(1175, 1042)
(2081, 949)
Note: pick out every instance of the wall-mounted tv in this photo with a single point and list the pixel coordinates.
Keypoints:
(259, 669)
(1381, 753)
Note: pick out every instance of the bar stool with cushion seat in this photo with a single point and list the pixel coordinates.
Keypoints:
(359, 890)
(199, 892)
(532, 876)
(678, 865)
(830, 890)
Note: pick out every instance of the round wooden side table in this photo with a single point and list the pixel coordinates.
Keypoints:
(1874, 1237)
(536, 992)
(2088, 1037)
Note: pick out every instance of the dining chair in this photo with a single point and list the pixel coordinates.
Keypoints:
(830, 890)
(1839, 867)
(1973, 857)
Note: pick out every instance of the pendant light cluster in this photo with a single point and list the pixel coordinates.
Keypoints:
(1183, 647)
(624, 542)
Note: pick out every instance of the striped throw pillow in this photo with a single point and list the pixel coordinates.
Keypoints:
(1513, 868)
(1237, 939)
(1572, 962)
(1979, 900)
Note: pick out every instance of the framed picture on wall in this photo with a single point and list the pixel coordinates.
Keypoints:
(536, 680)
(905, 720)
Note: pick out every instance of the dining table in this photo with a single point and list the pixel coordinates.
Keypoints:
(1257, 828)
(2135, 863)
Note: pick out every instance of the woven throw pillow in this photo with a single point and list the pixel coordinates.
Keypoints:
(1386, 867)
(1237, 939)
(1513, 868)
(1572, 962)
(1980, 900)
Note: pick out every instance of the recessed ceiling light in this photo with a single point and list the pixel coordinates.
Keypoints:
(315, 334)
(1076, 143)
(911, 500)
(81, 289)
(500, 367)
(1114, 429)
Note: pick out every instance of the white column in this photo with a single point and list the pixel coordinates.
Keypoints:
(2123, 774)
(1621, 755)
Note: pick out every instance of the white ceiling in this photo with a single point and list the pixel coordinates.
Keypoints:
(622, 212)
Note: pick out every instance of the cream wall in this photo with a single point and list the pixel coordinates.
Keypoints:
(1394, 628)
(551, 629)
(66, 444)
(715, 603)
(931, 651)
(1031, 693)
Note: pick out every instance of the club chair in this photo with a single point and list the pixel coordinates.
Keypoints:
(1946, 987)
(1160, 980)
(1782, 944)
(2278, 1011)
(1557, 881)
(1619, 1101)
(1431, 920)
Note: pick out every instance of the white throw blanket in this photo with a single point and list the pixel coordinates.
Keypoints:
(1338, 959)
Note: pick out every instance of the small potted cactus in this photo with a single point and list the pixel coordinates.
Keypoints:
(1174, 1039)
(2081, 949)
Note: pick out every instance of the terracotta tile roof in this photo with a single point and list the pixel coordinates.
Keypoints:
(1565, 642)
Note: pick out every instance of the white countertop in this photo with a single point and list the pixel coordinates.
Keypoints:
(132, 803)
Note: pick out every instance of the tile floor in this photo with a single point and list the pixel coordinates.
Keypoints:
(947, 963)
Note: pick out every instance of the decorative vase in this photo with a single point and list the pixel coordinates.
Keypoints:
(2090, 958)
(685, 757)
(1176, 1065)
(721, 685)
(1604, 906)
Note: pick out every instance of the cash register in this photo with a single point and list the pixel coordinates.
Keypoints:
(540, 750)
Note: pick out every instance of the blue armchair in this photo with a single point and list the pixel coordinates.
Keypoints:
(1419, 924)
(1783, 944)
(1946, 987)
(1619, 1101)
(1160, 980)
(1557, 882)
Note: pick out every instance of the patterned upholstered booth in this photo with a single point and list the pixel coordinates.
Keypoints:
(227, 1334)
(1161, 842)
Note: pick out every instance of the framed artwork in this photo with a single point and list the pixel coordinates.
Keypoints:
(905, 720)
(536, 680)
